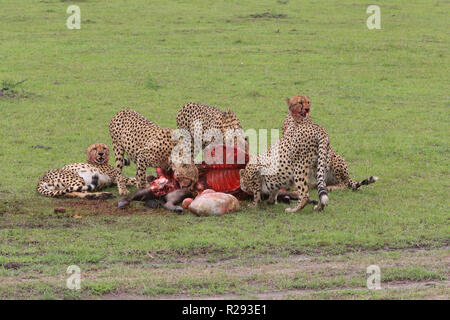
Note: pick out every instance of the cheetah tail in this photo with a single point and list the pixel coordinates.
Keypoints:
(321, 169)
(49, 191)
(355, 185)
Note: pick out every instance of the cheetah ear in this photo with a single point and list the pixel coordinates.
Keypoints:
(287, 101)
(241, 172)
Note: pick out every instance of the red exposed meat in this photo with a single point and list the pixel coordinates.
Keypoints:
(219, 171)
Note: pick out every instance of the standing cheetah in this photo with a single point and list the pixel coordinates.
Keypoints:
(146, 144)
(287, 163)
(198, 119)
(74, 180)
(337, 176)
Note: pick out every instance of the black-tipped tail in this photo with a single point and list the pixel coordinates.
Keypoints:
(323, 196)
(369, 180)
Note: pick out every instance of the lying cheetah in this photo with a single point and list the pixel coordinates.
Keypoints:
(337, 176)
(287, 163)
(198, 119)
(146, 144)
(75, 180)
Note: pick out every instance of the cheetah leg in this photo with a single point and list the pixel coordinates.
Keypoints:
(141, 168)
(256, 200)
(273, 197)
(341, 178)
(304, 200)
(302, 189)
(118, 154)
(130, 181)
(339, 170)
(340, 173)
(122, 185)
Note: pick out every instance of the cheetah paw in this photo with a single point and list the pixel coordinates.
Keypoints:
(318, 207)
(106, 195)
(124, 192)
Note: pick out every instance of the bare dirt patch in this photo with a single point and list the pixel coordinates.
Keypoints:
(262, 279)
(292, 277)
(103, 207)
(268, 15)
(285, 294)
(9, 89)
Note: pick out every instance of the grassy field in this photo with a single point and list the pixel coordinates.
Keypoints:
(382, 95)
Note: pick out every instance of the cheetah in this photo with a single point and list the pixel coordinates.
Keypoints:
(146, 144)
(201, 121)
(286, 163)
(77, 179)
(337, 176)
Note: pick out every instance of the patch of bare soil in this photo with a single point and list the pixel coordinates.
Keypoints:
(269, 15)
(11, 265)
(9, 89)
(350, 266)
(102, 207)
(286, 294)
(264, 278)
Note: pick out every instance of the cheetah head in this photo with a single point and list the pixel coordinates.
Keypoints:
(299, 106)
(250, 180)
(243, 181)
(186, 174)
(98, 153)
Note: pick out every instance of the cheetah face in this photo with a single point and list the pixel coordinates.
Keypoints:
(186, 174)
(299, 106)
(98, 153)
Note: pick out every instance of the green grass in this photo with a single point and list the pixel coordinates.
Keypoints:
(382, 95)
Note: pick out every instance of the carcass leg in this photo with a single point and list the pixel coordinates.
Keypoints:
(140, 195)
(176, 197)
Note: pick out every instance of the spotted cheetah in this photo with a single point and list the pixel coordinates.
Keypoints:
(75, 180)
(337, 176)
(287, 163)
(201, 121)
(146, 144)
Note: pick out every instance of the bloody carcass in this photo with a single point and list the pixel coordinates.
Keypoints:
(219, 171)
